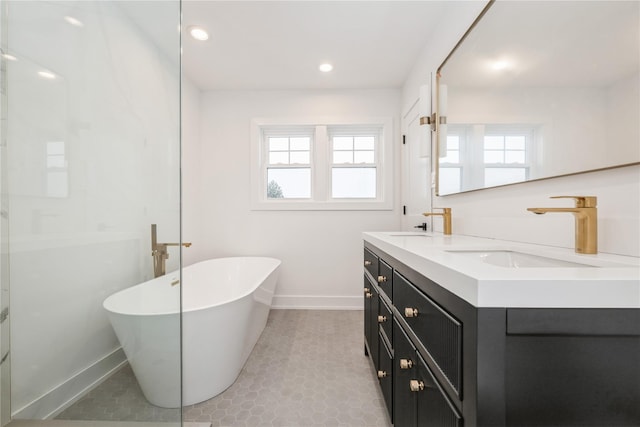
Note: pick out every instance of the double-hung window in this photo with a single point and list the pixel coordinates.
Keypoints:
(288, 162)
(354, 168)
(325, 165)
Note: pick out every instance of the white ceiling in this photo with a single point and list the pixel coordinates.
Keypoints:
(280, 44)
(266, 44)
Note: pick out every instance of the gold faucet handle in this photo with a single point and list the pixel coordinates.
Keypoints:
(581, 201)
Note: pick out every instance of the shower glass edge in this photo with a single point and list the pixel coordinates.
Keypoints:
(90, 156)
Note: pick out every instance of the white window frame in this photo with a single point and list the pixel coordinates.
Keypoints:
(321, 164)
(463, 154)
(527, 131)
(471, 161)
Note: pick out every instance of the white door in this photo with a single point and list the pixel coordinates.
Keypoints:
(416, 165)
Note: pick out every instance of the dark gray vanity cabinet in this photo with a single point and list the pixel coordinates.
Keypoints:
(442, 362)
(415, 338)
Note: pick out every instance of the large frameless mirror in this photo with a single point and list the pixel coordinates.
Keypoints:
(539, 89)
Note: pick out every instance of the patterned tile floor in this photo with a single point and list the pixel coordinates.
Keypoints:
(307, 369)
(119, 398)
(77, 423)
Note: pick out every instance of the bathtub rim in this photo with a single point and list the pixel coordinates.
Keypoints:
(180, 310)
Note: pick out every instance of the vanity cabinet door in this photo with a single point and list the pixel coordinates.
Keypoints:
(385, 375)
(434, 409)
(385, 279)
(405, 365)
(438, 331)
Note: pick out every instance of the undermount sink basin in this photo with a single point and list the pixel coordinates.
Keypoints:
(408, 234)
(513, 259)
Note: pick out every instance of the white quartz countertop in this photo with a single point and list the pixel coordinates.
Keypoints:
(605, 280)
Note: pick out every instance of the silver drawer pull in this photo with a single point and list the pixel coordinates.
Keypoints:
(410, 312)
(406, 364)
(382, 279)
(367, 263)
(415, 385)
(382, 319)
(382, 374)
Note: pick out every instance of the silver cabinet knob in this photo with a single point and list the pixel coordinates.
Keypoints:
(382, 319)
(368, 295)
(382, 279)
(415, 385)
(382, 374)
(410, 312)
(406, 364)
(367, 290)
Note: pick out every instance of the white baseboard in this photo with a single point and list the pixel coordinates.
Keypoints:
(61, 397)
(316, 302)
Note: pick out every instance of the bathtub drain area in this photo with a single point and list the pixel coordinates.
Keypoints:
(307, 369)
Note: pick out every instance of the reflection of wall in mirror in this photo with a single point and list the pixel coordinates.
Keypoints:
(570, 121)
(623, 126)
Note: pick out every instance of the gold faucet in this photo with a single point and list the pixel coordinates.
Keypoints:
(160, 253)
(586, 215)
(446, 218)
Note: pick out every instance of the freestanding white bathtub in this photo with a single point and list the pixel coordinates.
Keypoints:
(225, 303)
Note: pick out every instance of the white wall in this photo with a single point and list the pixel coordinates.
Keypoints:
(321, 252)
(192, 219)
(115, 105)
(501, 212)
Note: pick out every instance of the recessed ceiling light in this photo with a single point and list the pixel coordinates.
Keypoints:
(198, 33)
(73, 21)
(501, 64)
(325, 68)
(47, 75)
(9, 57)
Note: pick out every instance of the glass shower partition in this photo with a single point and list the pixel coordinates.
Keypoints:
(90, 158)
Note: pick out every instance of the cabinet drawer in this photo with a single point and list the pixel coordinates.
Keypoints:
(368, 294)
(385, 279)
(385, 376)
(371, 308)
(405, 365)
(385, 320)
(371, 263)
(439, 332)
(434, 409)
